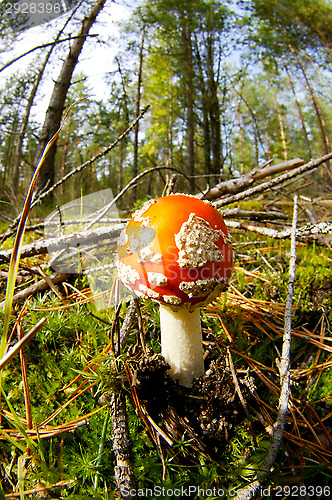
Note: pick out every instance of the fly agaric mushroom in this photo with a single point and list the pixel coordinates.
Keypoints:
(176, 250)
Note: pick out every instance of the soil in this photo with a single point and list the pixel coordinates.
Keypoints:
(205, 414)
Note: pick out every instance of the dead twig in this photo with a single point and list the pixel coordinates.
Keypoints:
(239, 393)
(123, 473)
(284, 371)
(21, 344)
(38, 287)
(42, 489)
(127, 323)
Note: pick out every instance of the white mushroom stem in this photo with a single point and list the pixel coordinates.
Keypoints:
(181, 343)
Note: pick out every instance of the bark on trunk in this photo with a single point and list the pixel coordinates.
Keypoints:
(189, 99)
(214, 110)
(205, 112)
(138, 103)
(282, 132)
(58, 98)
(238, 117)
(320, 119)
(305, 134)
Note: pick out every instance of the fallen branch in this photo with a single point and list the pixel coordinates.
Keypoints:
(284, 371)
(40, 491)
(40, 286)
(40, 247)
(320, 233)
(265, 186)
(238, 184)
(123, 472)
(253, 214)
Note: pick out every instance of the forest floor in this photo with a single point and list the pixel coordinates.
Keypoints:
(64, 395)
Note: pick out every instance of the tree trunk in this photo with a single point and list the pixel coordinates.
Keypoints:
(305, 134)
(238, 116)
(23, 127)
(123, 144)
(324, 138)
(189, 100)
(256, 131)
(214, 109)
(62, 168)
(170, 161)
(205, 112)
(8, 160)
(138, 103)
(281, 123)
(120, 170)
(57, 102)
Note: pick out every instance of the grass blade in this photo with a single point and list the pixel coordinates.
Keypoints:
(101, 448)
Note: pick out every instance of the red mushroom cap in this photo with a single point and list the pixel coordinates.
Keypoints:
(176, 250)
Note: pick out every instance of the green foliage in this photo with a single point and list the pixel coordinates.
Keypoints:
(301, 23)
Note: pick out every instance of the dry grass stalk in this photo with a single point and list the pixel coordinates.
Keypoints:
(41, 489)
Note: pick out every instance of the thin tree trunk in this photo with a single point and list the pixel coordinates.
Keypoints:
(281, 123)
(7, 160)
(305, 134)
(23, 127)
(238, 116)
(62, 168)
(325, 142)
(120, 170)
(138, 103)
(58, 98)
(282, 132)
(170, 161)
(205, 111)
(214, 110)
(258, 138)
(123, 143)
(189, 99)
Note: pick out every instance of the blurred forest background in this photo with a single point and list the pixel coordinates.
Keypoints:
(230, 85)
